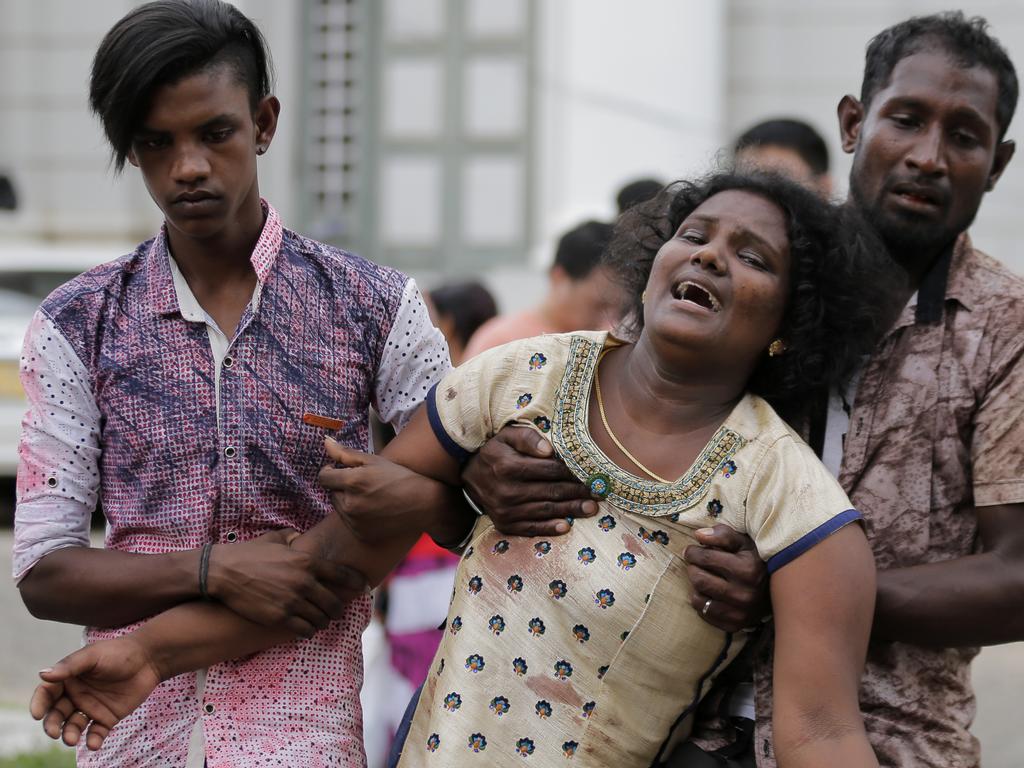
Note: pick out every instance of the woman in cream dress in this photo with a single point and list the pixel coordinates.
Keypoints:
(750, 294)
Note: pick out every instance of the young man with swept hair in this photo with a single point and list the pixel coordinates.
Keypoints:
(581, 294)
(172, 384)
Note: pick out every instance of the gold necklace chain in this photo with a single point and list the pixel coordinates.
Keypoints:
(608, 429)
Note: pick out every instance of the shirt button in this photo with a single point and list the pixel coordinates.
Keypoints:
(209, 709)
(229, 361)
(232, 536)
(230, 451)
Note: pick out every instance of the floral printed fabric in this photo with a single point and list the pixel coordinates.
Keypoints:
(584, 646)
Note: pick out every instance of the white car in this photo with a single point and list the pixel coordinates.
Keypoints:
(28, 273)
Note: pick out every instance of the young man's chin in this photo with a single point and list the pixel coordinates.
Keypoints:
(197, 227)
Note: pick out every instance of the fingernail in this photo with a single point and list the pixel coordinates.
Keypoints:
(544, 447)
(561, 528)
(589, 507)
(329, 439)
(706, 531)
(44, 670)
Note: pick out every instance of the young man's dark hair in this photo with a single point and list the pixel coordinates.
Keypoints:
(137, 56)
(580, 249)
(967, 41)
(795, 135)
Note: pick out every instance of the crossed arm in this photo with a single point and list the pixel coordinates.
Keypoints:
(105, 681)
(976, 599)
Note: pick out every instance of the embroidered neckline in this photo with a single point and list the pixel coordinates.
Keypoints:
(571, 439)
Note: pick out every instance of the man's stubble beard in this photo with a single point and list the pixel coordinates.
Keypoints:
(909, 244)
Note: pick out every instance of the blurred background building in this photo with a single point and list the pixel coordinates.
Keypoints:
(451, 138)
(455, 136)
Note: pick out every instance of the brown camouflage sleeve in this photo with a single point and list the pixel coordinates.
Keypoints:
(997, 445)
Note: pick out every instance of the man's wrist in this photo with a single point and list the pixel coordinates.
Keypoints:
(472, 504)
(213, 583)
(204, 571)
(185, 574)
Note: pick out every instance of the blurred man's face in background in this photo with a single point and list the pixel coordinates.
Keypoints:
(784, 161)
(592, 303)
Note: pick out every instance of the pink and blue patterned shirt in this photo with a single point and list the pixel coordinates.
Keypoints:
(137, 399)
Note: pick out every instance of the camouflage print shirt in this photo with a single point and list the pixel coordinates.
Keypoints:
(936, 430)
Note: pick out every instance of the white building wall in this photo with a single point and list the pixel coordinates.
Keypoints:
(652, 87)
(799, 57)
(624, 90)
(53, 148)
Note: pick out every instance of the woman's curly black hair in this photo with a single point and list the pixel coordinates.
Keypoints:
(843, 289)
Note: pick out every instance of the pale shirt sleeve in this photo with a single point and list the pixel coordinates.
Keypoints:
(415, 358)
(58, 453)
(474, 401)
(793, 503)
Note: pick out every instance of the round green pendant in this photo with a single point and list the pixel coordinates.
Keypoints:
(600, 484)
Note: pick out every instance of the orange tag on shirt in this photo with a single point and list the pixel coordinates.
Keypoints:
(324, 422)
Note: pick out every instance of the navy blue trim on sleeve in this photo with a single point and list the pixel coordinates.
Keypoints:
(808, 540)
(456, 451)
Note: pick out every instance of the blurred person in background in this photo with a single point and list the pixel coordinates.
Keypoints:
(787, 146)
(581, 295)
(636, 192)
(8, 198)
(458, 310)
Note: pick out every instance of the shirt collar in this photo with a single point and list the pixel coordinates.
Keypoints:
(162, 295)
(943, 281)
(960, 285)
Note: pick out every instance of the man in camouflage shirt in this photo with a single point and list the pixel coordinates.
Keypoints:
(929, 442)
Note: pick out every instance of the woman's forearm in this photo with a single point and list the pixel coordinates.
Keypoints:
(196, 635)
(823, 603)
(837, 750)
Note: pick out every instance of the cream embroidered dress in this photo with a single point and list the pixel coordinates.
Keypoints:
(584, 646)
